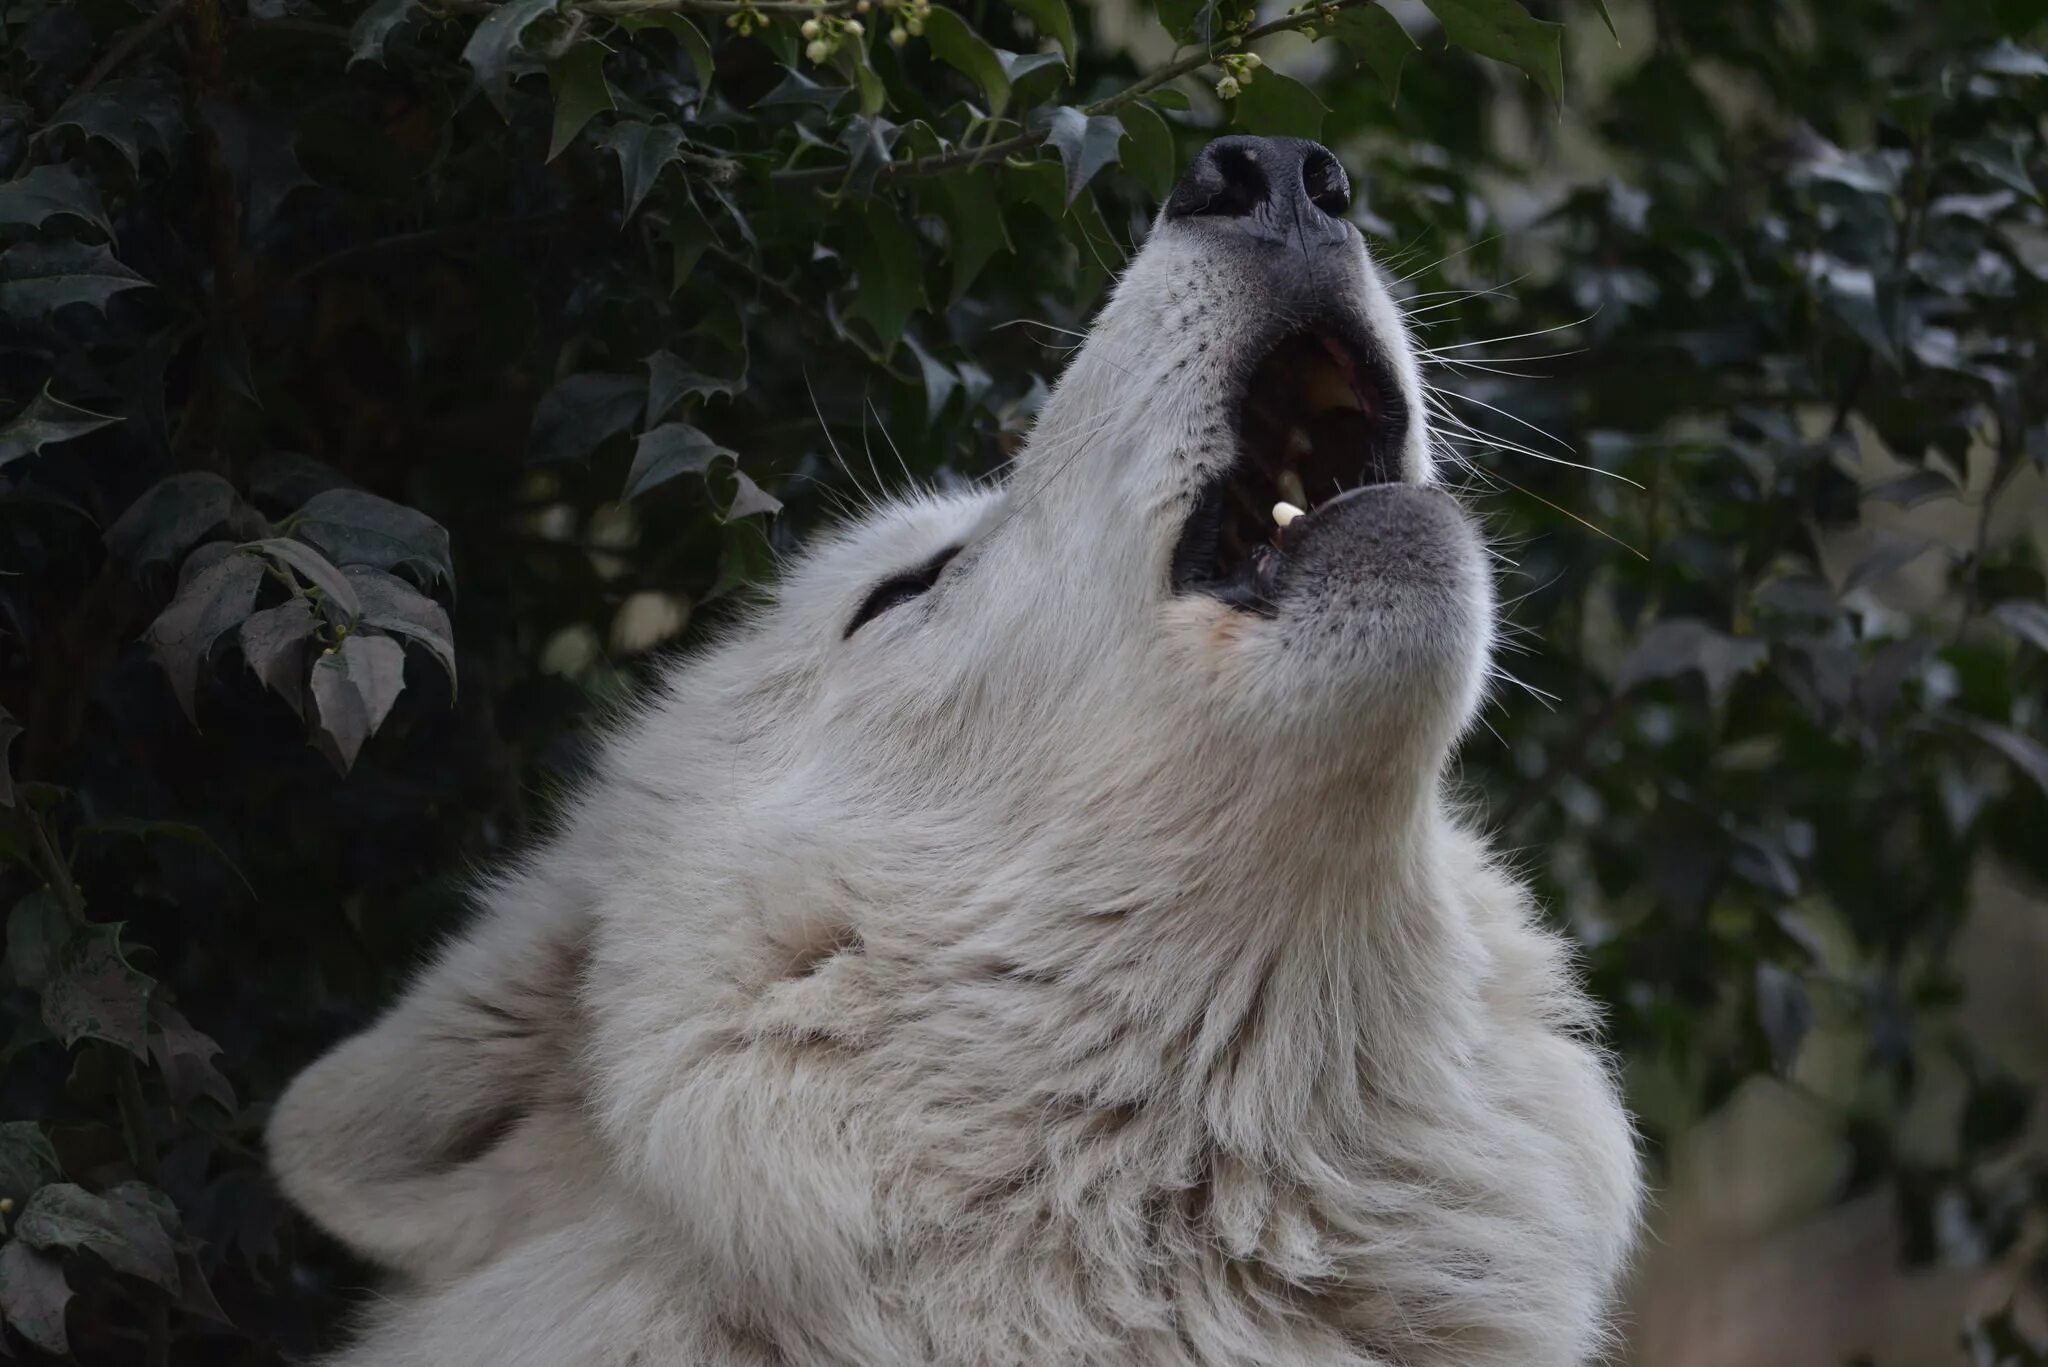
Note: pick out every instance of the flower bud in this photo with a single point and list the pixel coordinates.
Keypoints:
(898, 37)
(809, 28)
(818, 51)
(853, 26)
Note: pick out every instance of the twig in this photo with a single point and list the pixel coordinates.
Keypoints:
(941, 162)
(432, 237)
(127, 45)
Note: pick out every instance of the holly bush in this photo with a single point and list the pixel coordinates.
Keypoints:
(383, 387)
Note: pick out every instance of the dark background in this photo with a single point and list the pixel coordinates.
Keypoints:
(350, 353)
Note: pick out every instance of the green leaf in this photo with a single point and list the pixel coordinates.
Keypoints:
(642, 149)
(275, 643)
(1682, 645)
(1086, 143)
(96, 994)
(1166, 97)
(215, 600)
(888, 260)
(373, 30)
(9, 729)
(1189, 21)
(490, 49)
(1600, 6)
(122, 1227)
(1505, 31)
(354, 685)
(750, 497)
(1273, 105)
(967, 52)
(581, 412)
(581, 93)
(358, 528)
(669, 382)
(33, 1296)
(2028, 755)
(26, 1160)
(1376, 38)
(1148, 153)
(39, 277)
(45, 422)
(1054, 21)
(37, 931)
(310, 565)
(393, 605)
(975, 231)
(133, 115)
(2025, 619)
(673, 449)
(798, 91)
(46, 191)
(1034, 76)
(170, 517)
(687, 36)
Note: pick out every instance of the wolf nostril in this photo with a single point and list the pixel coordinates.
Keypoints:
(1227, 182)
(1327, 186)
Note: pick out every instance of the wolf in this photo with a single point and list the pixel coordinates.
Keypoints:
(1043, 934)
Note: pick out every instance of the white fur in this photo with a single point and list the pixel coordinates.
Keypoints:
(1059, 970)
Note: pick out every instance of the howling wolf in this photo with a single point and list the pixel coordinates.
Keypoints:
(1041, 935)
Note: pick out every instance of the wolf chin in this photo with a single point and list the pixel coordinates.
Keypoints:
(1041, 935)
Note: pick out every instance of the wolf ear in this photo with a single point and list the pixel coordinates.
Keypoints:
(453, 1126)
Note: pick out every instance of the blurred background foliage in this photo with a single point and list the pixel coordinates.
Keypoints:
(351, 352)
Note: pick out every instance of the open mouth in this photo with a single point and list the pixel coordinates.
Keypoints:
(1318, 419)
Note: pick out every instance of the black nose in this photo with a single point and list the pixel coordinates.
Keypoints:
(1283, 189)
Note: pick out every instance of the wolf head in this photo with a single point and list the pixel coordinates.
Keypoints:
(1016, 942)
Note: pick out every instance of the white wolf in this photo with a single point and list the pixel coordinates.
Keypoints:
(1041, 937)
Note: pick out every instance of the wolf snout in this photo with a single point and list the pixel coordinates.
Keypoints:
(1289, 192)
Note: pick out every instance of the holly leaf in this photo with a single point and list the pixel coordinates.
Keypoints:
(581, 412)
(274, 644)
(750, 497)
(642, 149)
(37, 931)
(214, 600)
(686, 35)
(2024, 619)
(9, 729)
(1085, 142)
(799, 91)
(316, 569)
(374, 29)
(395, 606)
(44, 192)
(490, 49)
(1376, 38)
(133, 116)
(46, 421)
(581, 93)
(122, 1227)
(670, 381)
(672, 449)
(185, 1057)
(1683, 645)
(26, 1160)
(1148, 152)
(170, 517)
(354, 685)
(967, 52)
(37, 278)
(261, 154)
(96, 994)
(1054, 21)
(1273, 105)
(1600, 7)
(888, 262)
(33, 1296)
(1506, 32)
(975, 231)
(357, 528)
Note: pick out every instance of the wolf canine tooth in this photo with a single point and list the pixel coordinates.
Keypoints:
(1291, 488)
(1285, 513)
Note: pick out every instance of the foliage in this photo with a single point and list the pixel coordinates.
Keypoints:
(314, 313)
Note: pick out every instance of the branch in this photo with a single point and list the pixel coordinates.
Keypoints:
(941, 162)
(130, 43)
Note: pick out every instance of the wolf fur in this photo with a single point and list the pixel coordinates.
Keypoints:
(1058, 970)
